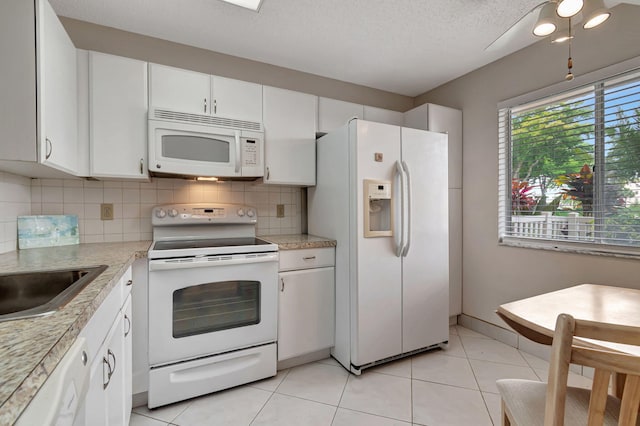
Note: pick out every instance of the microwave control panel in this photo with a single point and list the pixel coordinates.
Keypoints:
(250, 152)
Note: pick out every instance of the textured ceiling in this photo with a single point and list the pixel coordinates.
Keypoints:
(401, 46)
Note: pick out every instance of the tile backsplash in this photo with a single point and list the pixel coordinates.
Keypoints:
(133, 201)
(15, 200)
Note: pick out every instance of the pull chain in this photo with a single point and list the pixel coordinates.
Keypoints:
(569, 75)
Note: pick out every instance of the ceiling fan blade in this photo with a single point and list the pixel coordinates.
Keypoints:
(520, 32)
(636, 2)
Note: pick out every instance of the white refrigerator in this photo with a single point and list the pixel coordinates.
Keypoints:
(381, 193)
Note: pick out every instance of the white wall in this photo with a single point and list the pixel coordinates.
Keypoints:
(15, 200)
(133, 201)
(494, 274)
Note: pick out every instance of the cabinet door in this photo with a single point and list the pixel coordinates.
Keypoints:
(58, 92)
(237, 99)
(333, 113)
(306, 311)
(179, 90)
(449, 120)
(115, 388)
(118, 116)
(290, 137)
(381, 115)
(95, 401)
(128, 359)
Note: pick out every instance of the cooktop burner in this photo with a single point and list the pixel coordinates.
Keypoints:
(209, 242)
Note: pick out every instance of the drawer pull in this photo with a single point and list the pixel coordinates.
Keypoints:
(129, 282)
(282, 281)
(308, 258)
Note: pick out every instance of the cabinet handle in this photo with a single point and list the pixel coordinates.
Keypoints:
(126, 333)
(282, 281)
(109, 355)
(308, 258)
(130, 282)
(48, 149)
(105, 381)
(205, 105)
(215, 106)
(84, 358)
(268, 173)
(141, 166)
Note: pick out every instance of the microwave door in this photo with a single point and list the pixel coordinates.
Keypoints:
(194, 152)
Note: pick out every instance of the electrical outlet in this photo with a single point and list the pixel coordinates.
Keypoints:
(106, 211)
(279, 210)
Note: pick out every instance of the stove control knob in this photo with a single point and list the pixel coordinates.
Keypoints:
(173, 213)
(251, 213)
(160, 213)
(240, 212)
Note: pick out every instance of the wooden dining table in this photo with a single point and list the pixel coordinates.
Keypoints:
(535, 317)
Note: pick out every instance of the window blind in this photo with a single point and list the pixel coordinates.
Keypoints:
(570, 166)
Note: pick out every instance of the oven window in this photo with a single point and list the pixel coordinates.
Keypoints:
(196, 148)
(210, 307)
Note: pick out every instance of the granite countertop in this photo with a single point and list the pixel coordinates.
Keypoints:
(299, 241)
(31, 348)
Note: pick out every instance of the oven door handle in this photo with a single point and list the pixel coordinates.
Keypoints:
(208, 262)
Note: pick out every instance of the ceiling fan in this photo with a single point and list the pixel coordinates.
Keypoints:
(554, 19)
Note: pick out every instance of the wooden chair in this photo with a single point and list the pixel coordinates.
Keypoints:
(530, 403)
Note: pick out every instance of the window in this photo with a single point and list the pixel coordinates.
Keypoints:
(570, 168)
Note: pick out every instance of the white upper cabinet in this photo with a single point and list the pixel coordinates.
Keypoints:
(290, 141)
(38, 108)
(193, 92)
(333, 113)
(237, 99)
(437, 118)
(179, 90)
(118, 117)
(381, 115)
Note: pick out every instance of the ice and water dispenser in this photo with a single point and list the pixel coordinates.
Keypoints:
(377, 208)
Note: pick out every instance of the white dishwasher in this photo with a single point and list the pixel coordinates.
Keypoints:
(60, 400)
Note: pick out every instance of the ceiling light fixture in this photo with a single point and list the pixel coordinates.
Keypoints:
(247, 4)
(595, 13)
(555, 17)
(569, 8)
(546, 23)
(207, 178)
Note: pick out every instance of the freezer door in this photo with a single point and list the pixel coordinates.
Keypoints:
(425, 265)
(376, 293)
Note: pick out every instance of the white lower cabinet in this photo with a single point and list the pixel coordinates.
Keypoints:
(307, 302)
(108, 399)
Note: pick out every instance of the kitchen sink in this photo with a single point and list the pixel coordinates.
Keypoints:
(32, 294)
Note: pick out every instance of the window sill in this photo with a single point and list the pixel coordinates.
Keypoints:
(573, 248)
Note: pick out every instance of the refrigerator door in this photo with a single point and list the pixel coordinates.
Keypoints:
(376, 292)
(425, 266)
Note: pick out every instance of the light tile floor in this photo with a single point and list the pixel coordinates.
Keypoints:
(452, 387)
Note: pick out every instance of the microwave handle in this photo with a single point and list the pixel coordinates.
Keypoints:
(238, 159)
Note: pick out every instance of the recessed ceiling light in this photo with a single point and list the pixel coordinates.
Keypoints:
(248, 4)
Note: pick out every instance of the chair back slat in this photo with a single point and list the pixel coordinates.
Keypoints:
(612, 361)
(609, 332)
(559, 371)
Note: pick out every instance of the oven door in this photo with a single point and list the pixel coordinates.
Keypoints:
(210, 305)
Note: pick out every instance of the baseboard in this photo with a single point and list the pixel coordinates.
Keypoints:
(513, 339)
(304, 359)
(453, 320)
(140, 399)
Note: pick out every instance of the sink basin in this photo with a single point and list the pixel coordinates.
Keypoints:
(31, 294)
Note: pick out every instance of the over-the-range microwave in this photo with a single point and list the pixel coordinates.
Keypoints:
(197, 145)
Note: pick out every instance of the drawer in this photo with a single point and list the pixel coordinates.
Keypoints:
(307, 258)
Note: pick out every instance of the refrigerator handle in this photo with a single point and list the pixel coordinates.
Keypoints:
(407, 196)
(400, 244)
